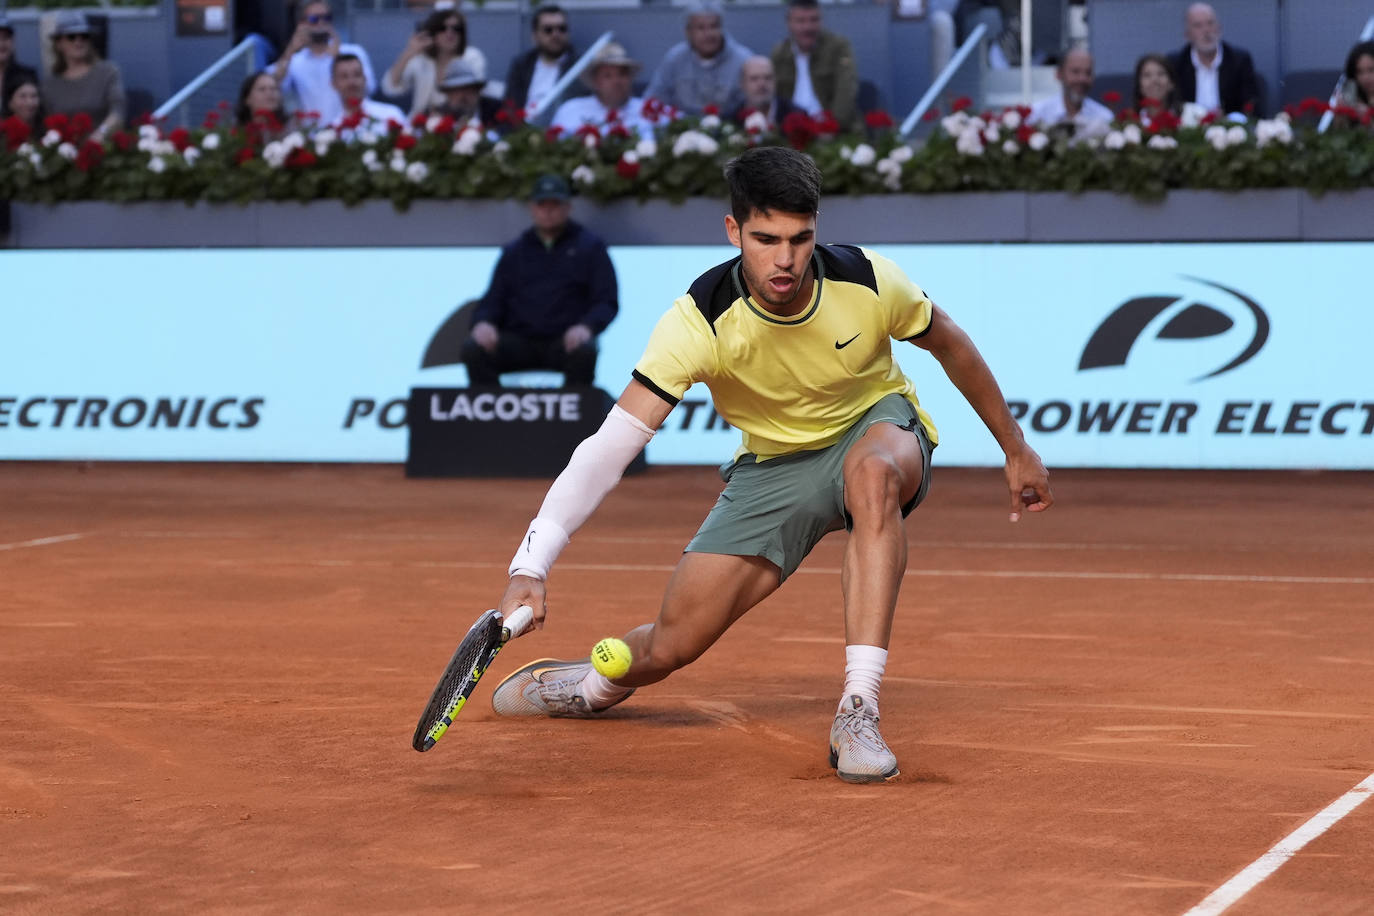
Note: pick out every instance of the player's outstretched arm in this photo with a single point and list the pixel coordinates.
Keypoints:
(594, 469)
(1027, 480)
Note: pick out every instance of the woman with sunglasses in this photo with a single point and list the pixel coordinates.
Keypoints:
(440, 39)
(81, 82)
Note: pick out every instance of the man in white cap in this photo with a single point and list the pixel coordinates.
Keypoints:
(611, 77)
(461, 86)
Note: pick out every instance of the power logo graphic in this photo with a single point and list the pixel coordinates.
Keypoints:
(1218, 333)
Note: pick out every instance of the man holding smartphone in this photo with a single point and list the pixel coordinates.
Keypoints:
(304, 69)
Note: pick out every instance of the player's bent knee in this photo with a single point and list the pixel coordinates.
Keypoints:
(873, 483)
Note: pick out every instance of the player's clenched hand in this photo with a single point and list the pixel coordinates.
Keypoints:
(525, 590)
(486, 335)
(1028, 482)
(576, 336)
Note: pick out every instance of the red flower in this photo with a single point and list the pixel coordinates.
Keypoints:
(243, 155)
(300, 158)
(123, 140)
(826, 124)
(1314, 106)
(1209, 118)
(1130, 115)
(405, 142)
(931, 113)
(352, 119)
(142, 120)
(962, 103)
(417, 121)
(711, 110)
(552, 134)
(267, 120)
(57, 122)
(15, 131)
(1164, 121)
(79, 126)
(1023, 133)
(1111, 97)
(799, 129)
(90, 156)
(180, 138)
(1347, 112)
(878, 119)
(211, 120)
(444, 125)
(223, 105)
(628, 170)
(393, 126)
(613, 116)
(619, 131)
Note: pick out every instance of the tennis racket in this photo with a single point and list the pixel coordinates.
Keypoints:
(472, 658)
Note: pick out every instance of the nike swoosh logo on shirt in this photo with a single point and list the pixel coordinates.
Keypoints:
(841, 346)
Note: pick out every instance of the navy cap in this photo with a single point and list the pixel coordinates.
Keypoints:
(550, 187)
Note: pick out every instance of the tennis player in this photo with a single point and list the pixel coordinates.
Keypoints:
(794, 341)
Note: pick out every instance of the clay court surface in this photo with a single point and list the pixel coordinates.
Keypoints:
(209, 676)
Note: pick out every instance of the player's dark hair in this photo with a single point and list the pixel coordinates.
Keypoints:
(768, 178)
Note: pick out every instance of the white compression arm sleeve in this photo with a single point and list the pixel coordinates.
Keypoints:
(595, 467)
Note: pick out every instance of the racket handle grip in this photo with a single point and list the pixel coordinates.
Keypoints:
(519, 621)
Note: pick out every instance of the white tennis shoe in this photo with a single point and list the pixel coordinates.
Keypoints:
(547, 687)
(857, 749)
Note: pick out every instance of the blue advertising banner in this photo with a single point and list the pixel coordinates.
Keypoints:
(1178, 355)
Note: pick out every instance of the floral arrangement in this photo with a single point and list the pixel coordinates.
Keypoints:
(434, 158)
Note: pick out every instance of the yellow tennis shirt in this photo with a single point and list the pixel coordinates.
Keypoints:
(797, 383)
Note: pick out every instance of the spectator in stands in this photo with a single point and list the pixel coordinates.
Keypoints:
(611, 78)
(461, 91)
(350, 82)
(305, 69)
(951, 21)
(533, 74)
(1156, 90)
(1217, 76)
(81, 82)
(22, 100)
(441, 39)
(12, 73)
(815, 68)
(758, 87)
(704, 69)
(1358, 90)
(1072, 112)
(553, 291)
(260, 105)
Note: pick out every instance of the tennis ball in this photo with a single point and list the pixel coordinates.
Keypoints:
(611, 657)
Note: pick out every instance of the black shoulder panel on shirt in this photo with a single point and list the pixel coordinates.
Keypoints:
(847, 264)
(714, 292)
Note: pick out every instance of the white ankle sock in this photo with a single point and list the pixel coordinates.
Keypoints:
(599, 692)
(863, 673)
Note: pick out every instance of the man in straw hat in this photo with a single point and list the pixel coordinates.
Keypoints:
(611, 78)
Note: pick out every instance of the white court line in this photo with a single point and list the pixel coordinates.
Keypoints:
(42, 542)
(936, 573)
(1244, 882)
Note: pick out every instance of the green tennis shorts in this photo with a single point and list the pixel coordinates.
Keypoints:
(779, 509)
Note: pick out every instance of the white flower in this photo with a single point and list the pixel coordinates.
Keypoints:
(326, 137)
(1011, 119)
(1284, 117)
(36, 160)
(757, 122)
(978, 124)
(148, 132)
(1010, 148)
(970, 142)
(67, 151)
(737, 139)
(501, 148)
(147, 144)
(1236, 134)
(1216, 135)
(646, 148)
(693, 141)
(398, 161)
(433, 123)
(1038, 141)
(954, 124)
(1275, 131)
(846, 153)
(157, 165)
(51, 138)
(25, 149)
(467, 142)
(417, 172)
(629, 157)
(366, 137)
(583, 174)
(901, 153)
(1131, 132)
(1159, 141)
(891, 170)
(864, 155)
(591, 141)
(710, 122)
(191, 154)
(164, 148)
(1192, 115)
(275, 153)
(370, 160)
(1114, 140)
(211, 142)
(991, 134)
